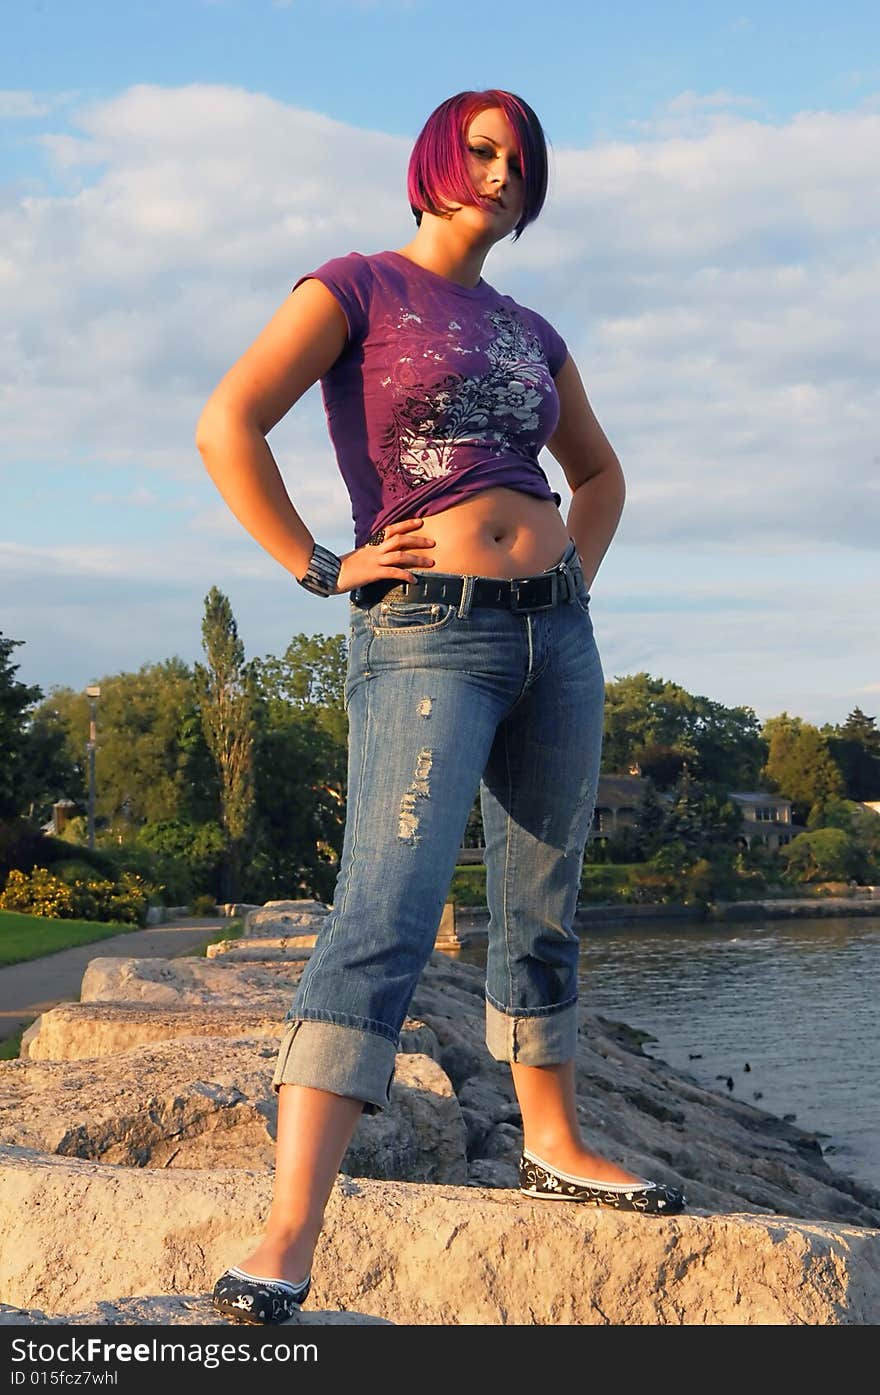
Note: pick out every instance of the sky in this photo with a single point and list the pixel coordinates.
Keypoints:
(708, 250)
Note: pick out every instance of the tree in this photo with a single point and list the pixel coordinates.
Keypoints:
(660, 726)
(16, 699)
(662, 765)
(799, 764)
(309, 677)
(855, 749)
(826, 854)
(226, 698)
(48, 774)
(684, 824)
(300, 767)
(650, 820)
(152, 763)
(703, 820)
(730, 750)
(861, 824)
(641, 711)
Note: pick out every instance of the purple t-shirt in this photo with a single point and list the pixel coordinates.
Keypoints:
(441, 391)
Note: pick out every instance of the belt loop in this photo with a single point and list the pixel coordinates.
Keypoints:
(570, 566)
(467, 592)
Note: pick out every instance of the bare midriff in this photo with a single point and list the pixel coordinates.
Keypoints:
(498, 532)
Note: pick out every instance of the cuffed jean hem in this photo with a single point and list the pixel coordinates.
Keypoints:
(544, 1039)
(343, 1060)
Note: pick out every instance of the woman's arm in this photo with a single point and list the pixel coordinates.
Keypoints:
(591, 468)
(298, 346)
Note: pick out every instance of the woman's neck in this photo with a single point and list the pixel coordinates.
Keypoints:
(440, 249)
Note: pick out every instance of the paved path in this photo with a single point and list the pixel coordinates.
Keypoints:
(33, 987)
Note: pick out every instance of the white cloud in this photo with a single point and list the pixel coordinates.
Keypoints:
(713, 278)
(130, 563)
(713, 288)
(18, 106)
(748, 640)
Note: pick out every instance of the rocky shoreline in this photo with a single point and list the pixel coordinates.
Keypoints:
(147, 1107)
(474, 919)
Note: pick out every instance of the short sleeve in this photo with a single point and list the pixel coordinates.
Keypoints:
(349, 280)
(555, 347)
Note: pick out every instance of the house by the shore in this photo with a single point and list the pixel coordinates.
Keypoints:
(766, 818)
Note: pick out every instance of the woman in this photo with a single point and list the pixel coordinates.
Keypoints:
(472, 662)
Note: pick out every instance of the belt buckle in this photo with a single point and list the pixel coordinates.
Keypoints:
(516, 586)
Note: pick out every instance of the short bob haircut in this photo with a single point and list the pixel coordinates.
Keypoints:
(438, 167)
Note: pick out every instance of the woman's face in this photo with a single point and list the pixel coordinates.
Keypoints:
(494, 167)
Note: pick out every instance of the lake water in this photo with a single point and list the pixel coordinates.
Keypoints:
(795, 1000)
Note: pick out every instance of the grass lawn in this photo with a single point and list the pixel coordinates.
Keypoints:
(233, 931)
(31, 936)
(599, 882)
(11, 1047)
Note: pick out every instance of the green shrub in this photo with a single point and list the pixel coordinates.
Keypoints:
(75, 871)
(75, 831)
(203, 905)
(42, 893)
(186, 857)
(23, 846)
(649, 887)
(604, 881)
(623, 847)
(468, 886)
(38, 893)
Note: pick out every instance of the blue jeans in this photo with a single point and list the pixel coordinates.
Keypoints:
(442, 700)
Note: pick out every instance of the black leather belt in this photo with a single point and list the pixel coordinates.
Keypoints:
(517, 593)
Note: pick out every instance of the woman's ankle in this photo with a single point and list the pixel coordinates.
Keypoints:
(577, 1159)
(280, 1255)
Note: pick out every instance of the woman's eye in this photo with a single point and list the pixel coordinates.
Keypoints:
(481, 150)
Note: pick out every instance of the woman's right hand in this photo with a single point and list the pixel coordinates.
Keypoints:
(403, 545)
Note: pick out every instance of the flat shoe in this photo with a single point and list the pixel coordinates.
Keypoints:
(538, 1178)
(248, 1298)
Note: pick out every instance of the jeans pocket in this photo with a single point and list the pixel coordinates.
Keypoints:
(410, 617)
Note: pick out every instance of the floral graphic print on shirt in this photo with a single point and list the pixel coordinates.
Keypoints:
(430, 421)
(442, 390)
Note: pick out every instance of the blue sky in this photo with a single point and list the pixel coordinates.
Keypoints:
(708, 250)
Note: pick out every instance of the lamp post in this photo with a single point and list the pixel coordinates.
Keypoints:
(92, 693)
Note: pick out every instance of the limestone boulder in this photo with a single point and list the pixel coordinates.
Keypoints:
(184, 1310)
(76, 1031)
(189, 1103)
(208, 1102)
(659, 1123)
(421, 1136)
(261, 949)
(282, 917)
(79, 1234)
(723, 1153)
(488, 1172)
(187, 982)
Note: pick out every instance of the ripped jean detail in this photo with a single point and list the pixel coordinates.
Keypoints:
(445, 702)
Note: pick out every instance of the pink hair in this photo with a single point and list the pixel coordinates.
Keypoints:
(438, 167)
